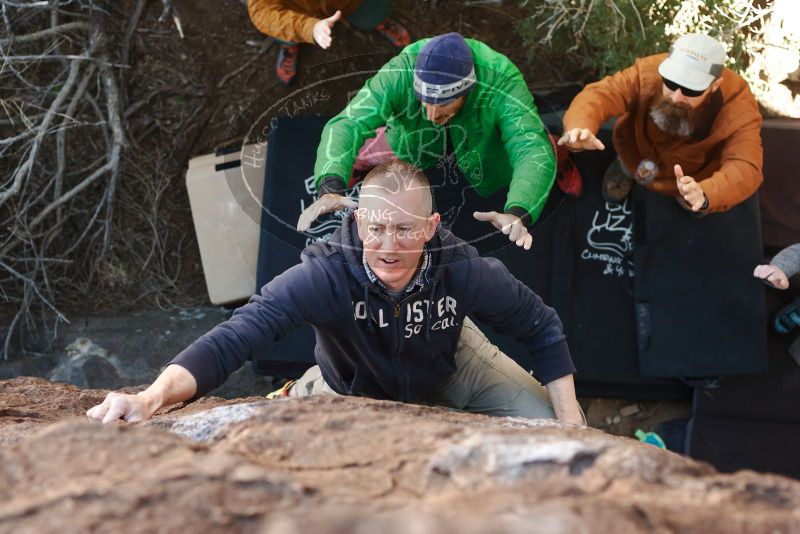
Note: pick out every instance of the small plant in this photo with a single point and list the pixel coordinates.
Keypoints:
(593, 38)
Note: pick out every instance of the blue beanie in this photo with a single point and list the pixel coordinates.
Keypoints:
(444, 70)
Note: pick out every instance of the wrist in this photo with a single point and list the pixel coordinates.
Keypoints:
(153, 397)
(571, 413)
(574, 418)
(520, 213)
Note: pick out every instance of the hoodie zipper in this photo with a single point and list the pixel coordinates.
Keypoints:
(399, 346)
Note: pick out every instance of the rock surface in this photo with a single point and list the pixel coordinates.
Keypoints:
(335, 465)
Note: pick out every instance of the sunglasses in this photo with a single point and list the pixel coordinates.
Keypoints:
(672, 86)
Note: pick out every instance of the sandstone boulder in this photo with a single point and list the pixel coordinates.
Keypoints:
(334, 465)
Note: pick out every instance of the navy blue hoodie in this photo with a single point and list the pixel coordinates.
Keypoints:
(370, 345)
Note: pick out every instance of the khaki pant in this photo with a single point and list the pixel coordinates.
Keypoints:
(486, 381)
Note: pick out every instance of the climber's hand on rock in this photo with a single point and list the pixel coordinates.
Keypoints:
(121, 406)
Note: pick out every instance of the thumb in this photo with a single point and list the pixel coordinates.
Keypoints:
(485, 215)
(335, 18)
(678, 172)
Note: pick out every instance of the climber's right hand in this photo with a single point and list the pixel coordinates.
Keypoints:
(327, 203)
(122, 406)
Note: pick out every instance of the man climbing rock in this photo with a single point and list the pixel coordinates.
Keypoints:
(388, 297)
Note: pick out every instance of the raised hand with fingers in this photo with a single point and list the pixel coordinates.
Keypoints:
(323, 28)
(690, 190)
(578, 139)
(327, 203)
(772, 275)
(510, 225)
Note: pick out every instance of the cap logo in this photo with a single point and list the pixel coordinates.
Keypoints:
(694, 54)
(714, 69)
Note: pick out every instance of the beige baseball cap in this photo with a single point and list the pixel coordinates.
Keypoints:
(695, 60)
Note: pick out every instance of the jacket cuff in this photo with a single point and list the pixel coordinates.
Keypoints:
(553, 362)
(330, 184)
(788, 260)
(710, 191)
(522, 213)
(308, 30)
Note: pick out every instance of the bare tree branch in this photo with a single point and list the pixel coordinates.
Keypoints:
(68, 27)
(23, 171)
(79, 209)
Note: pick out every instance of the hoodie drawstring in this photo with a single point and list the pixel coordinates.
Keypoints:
(427, 336)
(370, 328)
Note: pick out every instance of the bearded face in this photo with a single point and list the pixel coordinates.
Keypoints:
(679, 115)
(674, 118)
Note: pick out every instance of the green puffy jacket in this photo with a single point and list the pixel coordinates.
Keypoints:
(498, 137)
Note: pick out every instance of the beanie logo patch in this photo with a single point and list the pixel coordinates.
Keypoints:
(444, 91)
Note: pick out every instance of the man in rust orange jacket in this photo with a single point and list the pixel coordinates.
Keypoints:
(312, 21)
(687, 126)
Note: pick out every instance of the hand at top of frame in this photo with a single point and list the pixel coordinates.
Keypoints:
(323, 29)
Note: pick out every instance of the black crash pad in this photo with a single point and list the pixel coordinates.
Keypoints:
(288, 189)
(752, 422)
(699, 310)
